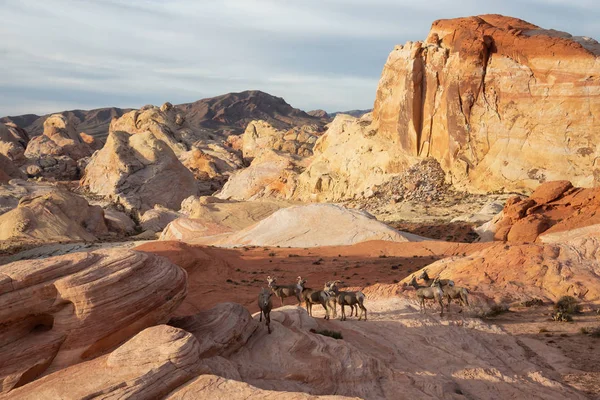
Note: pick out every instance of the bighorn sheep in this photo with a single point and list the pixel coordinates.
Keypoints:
(347, 299)
(312, 296)
(428, 281)
(455, 292)
(433, 292)
(265, 304)
(283, 291)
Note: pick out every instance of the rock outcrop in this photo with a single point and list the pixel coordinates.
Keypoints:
(552, 208)
(315, 225)
(149, 366)
(63, 310)
(270, 175)
(502, 274)
(139, 171)
(210, 216)
(260, 136)
(13, 142)
(157, 219)
(52, 216)
(55, 153)
(8, 170)
(484, 94)
(349, 161)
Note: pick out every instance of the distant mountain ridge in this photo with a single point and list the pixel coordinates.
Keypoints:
(229, 113)
(354, 113)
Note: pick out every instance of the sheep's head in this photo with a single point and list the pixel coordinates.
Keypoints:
(436, 282)
(271, 281)
(424, 275)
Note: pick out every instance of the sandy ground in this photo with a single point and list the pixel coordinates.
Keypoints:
(563, 345)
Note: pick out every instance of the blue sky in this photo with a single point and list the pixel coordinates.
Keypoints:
(66, 54)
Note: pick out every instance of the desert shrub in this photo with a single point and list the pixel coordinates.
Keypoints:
(560, 316)
(293, 255)
(543, 330)
(325, 332)
(567, 305)
(532, 303)
(271, 254)
(593, 332)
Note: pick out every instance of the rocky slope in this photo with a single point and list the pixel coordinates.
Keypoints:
(483, 94)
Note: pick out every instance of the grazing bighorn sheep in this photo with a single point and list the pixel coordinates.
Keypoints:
(283, 291)
(265, 304)
(433, 292)
(347, 299)
(312, 296)
(428, 281)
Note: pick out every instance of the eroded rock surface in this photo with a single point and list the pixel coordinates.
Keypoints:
(63, 310)
(483, 94)
(139, 171)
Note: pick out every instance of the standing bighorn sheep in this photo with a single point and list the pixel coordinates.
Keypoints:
(433, 292)
(455, 292)
(347, 299)
(283, 291)
(312, 296)
(428, 281)
(265, 304)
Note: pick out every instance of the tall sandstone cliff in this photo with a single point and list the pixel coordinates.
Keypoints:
(499, 102)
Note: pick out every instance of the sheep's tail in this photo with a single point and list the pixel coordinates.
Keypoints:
(360, 296)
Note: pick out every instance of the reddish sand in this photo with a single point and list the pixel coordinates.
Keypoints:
(218, 275)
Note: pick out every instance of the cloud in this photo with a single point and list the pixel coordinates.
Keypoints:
(314, 53)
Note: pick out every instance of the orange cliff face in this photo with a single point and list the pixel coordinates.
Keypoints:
(501, 103)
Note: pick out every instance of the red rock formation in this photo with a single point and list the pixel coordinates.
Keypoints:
(63, 310)
(553, 207)
(484, 95)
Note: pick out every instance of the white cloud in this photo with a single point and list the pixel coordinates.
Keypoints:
(314, 53)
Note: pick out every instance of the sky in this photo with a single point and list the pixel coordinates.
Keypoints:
(59, 55)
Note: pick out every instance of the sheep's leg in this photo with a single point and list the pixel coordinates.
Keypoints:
(364, 310)
(268, 319)
(343, 313)
(441, 307)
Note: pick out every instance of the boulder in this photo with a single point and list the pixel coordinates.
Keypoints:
(157, 219)
(260, 136)
(139, 171)
(315, 225)
(59, 139)
(52, 216)
(270, 175)
(13, 142)
(64, 310)
(119, 222)
(484, 94)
